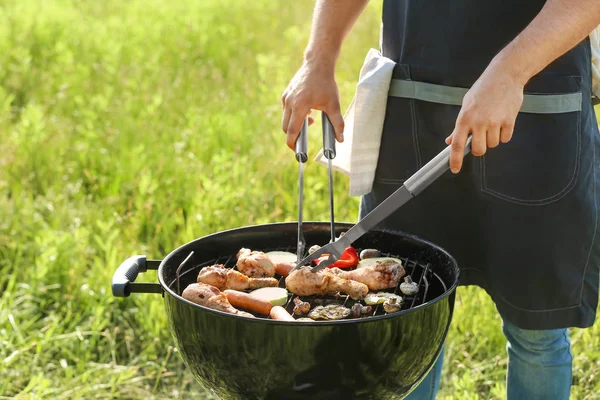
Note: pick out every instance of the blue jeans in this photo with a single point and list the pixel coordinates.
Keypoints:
(539, 366)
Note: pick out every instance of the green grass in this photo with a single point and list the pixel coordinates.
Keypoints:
(132, 127)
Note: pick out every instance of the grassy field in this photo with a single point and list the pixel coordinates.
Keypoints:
(132, 127)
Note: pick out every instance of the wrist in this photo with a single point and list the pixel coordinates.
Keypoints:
(514, 65)
(322, 60)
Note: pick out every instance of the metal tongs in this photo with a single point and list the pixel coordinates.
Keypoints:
(302, 157)
(411, 188)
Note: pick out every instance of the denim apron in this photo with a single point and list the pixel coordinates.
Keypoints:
(521, 220)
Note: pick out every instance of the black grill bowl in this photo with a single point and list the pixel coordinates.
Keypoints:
(381, 357)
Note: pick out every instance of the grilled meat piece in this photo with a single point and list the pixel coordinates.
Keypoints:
(254, 264)
(304, 282)
(211, 297)
(382, 275)
(223, 278)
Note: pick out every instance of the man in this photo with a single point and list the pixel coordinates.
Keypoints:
(521, 218)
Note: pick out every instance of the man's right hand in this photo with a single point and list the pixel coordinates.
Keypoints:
(312, 88)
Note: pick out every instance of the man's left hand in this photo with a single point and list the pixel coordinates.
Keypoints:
(489, 110)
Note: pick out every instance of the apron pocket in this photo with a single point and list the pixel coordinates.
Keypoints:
(399, 155)
(540, 164)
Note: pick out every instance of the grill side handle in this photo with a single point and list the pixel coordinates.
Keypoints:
(123, 281)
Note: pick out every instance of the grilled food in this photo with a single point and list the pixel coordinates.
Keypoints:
(358, 310)
(330, 312)
(211, 297)
(301, 307)
(248, 302)
(391, 305)
(408, 287)
(304, 282)
(373, 299)
(223, 278)
(283, 261)
(381, 275)
(369, 253)
(255, 264)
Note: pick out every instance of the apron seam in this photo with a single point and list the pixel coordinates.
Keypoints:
(415, 133)
(535, 311)
(390, 181)
(587, 261)
(497, 296)
(548, 200)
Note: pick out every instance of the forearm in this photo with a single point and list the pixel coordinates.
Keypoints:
(559, 26)
(332, 21)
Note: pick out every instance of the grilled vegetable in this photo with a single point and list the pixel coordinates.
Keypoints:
(372, 261)
(282, 257)
(247, 302)
(369, 253)
(281, 314)
(348, 259)
(274, 295)
(330, 312)
(391, 305)
(358, 310)
(408, 287)
(302, 307)
(380, 297)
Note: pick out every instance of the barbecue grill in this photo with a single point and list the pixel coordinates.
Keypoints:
(376, 356)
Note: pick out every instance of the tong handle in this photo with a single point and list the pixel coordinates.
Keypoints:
(432, 170)
(302, 143)
(328, 137)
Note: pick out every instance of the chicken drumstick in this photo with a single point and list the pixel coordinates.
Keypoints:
(254, 264)
(223, 278)
(304, 282)
(382, 275)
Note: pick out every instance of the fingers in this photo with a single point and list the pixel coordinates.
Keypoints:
(294, 126)
(285, 120)
(493, 136)
(478, 144)
(506, 132)
(459, 138)
(335, 116)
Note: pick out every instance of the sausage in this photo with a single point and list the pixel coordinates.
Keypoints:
(283, 269)
(247, 302)
(281, 314)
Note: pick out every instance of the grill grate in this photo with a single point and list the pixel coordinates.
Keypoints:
(421, 274)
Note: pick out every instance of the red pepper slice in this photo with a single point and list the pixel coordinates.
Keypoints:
(348, 259)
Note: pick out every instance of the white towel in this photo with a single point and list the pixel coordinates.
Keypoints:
(357, 156)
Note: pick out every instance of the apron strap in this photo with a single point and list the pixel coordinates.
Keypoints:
(532, 103)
